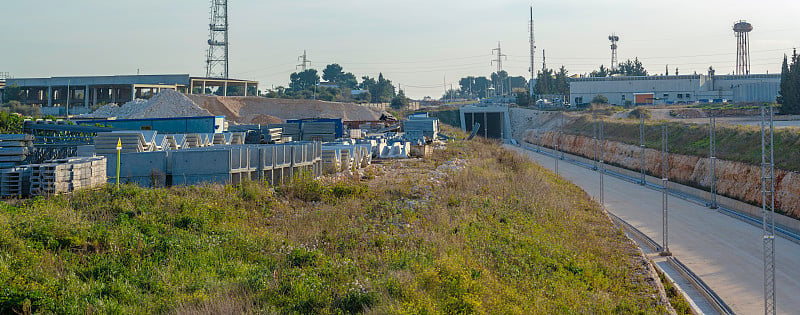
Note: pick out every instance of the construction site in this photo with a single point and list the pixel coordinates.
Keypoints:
(628, 193)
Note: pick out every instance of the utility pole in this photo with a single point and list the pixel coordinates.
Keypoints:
(533, 48)
(594, 137)
(641, 146)
(665, 189)
(558, 142)
(561, 133)
(768, 207)
(132, 91)
(499, 61)
(712, 159)
(304, 62)
(602, 167)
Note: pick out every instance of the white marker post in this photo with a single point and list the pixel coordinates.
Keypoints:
(119, 157)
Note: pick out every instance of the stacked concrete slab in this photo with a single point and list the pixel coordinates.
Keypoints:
(14, 149)
(15, 181)
(428, 126)
(67, 175)
(346, 156)
(319, 131)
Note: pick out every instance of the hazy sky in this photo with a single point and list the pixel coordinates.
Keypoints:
(418, 44)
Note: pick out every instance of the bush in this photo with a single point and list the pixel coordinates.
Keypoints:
(24, 110)
(10, 122)
(600, 99)
(303, 187)
(640, 112)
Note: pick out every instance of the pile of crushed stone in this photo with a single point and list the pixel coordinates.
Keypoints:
(166, 104)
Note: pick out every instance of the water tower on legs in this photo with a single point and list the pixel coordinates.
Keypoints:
(742, 30)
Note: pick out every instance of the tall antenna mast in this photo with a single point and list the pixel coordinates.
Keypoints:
(217, 58)
(533, 47)
(544, 61)
(499, 62)
(614, 39)
(304, 61)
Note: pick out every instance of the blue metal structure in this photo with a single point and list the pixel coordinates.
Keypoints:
(201, 124)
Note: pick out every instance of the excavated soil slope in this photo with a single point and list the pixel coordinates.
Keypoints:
(252, 109)
(735, 179)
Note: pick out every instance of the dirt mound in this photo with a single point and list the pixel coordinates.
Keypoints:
(266, 120)
(167, 103)
(251, 109)
(688, 113)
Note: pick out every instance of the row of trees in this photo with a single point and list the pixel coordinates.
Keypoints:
(628, 68)
(472, 87)
(339, 84)
(789, 97)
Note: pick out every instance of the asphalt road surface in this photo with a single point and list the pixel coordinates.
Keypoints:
(726, 253)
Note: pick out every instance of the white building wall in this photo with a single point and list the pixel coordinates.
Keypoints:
(674, 89)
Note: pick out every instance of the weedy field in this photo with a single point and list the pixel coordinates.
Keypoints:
(474, 229)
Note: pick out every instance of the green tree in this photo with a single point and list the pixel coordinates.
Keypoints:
(332, 73)
(631, 68)
(562, 81)
(472, 87)
(303, 80)
(12, 93)
(348, 80)
(499, 81)
(400, 100)
(600, 73)
(790, 85)
(523, 98)
(381, 90)
(600, 99)
(545, 82)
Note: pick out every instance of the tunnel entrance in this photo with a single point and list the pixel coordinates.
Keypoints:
(493, 121)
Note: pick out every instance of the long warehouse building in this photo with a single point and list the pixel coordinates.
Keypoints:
(81, 93)
(677, 89)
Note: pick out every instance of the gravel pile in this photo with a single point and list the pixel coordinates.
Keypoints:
(167, 103)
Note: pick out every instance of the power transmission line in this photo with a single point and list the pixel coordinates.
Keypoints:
(304, 61)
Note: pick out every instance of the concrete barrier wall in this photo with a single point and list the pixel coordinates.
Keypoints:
(219, 164)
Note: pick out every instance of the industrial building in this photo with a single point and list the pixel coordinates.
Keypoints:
(677, 89)
(79, 94)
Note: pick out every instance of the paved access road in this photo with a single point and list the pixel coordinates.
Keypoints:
(725, 252)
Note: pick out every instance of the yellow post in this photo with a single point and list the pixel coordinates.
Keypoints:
(119, 157)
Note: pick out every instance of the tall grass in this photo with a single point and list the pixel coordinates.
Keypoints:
(499, 236)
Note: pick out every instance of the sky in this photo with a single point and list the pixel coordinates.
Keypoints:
(424, 46)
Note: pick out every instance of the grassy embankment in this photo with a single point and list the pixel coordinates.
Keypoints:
(500, 235)
(734, 143)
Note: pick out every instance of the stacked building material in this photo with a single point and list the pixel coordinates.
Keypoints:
(428, 125)
(273, 135)
(67, 175)
(319, 131)
(15, 181)
(288, 130)
(237, 138)
(105, 143)
(14, 149)
(221, 139)
(194, 140)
